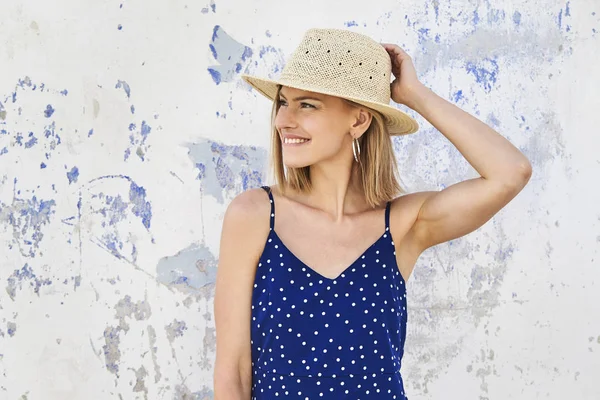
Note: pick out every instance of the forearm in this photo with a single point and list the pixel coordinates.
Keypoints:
(492, 156)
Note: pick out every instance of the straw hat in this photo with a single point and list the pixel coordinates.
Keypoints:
(345, 64)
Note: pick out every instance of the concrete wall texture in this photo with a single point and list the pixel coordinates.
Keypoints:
(125, 130)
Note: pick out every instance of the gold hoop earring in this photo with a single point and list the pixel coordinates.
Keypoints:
(356, 150)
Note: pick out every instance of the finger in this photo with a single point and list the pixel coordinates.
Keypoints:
(395, 50)
(390, 48)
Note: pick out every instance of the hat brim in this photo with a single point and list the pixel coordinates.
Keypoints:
(398, 122)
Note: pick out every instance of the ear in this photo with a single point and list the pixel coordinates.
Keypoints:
(361, 120)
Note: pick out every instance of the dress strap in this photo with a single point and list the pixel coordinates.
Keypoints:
(387, 215)
(268, 190)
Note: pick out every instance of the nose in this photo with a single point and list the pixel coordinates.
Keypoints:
(285, 119)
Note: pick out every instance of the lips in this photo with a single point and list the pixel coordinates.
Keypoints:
(294, 140)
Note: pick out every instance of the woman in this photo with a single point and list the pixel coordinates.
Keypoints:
(310, 300)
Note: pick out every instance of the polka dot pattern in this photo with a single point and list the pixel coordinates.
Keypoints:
(314, 337)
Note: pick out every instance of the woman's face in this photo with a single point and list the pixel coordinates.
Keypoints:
(314, 127)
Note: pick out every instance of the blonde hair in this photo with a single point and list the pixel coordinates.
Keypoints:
(378, 174)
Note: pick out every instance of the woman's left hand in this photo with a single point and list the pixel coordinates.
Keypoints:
(406, 83)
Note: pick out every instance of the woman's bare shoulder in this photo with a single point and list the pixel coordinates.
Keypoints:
(251, 204)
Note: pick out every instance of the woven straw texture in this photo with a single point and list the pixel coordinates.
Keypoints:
(341, 63)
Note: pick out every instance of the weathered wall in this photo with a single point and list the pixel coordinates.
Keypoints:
(125, 130)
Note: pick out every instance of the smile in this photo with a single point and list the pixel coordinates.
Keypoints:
(296, 142)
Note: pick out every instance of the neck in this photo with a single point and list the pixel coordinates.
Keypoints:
(336, 189)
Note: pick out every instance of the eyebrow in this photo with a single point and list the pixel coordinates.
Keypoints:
(300, 98)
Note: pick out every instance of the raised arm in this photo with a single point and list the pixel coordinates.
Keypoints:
(465, 206)
(245, 230)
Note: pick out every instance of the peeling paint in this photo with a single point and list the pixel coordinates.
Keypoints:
(230, 54)
(189, 269)
(110, 214)
(224, 169)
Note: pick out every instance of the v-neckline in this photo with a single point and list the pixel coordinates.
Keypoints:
(383, 235)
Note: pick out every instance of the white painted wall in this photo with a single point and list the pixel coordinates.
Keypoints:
(123, 136)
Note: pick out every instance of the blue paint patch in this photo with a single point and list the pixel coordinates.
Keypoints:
(64, 92)
(138, 139)
(495, 15)
(48, 111)
(91, 132)
(350, 23)
(215, 75)
(113, 212)
(119, 27)
(267, 33)
(223, 168)
(27, 218)
(213, 50)
(175, 329)
(225, 175)
(230, 55)
(458, 96)
(486, 76)
(132, 108)
(423, 35)
(141, 207)
(25, 275)
(436, 9)
(73, 174)
(145, 130)
(517, 18)
(42, 165)
(111, 351)
(189, 270)
(475, 18)
(125, 86)
(560, 19)
(201, 171)
(31, 142)
(495, 122)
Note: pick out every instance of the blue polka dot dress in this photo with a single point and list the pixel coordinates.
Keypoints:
(313, 337)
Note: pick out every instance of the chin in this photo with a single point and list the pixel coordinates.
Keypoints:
(297, 163)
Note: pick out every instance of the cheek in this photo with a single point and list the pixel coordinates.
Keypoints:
(332, 134)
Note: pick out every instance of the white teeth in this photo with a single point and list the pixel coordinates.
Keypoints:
(292, 141)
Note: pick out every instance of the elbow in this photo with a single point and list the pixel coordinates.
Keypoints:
(524, 172)
(515, 178)
(519, 176)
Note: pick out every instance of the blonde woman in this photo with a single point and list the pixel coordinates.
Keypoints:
(310, 298)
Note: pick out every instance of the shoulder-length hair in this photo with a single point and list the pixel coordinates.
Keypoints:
(378, 169)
